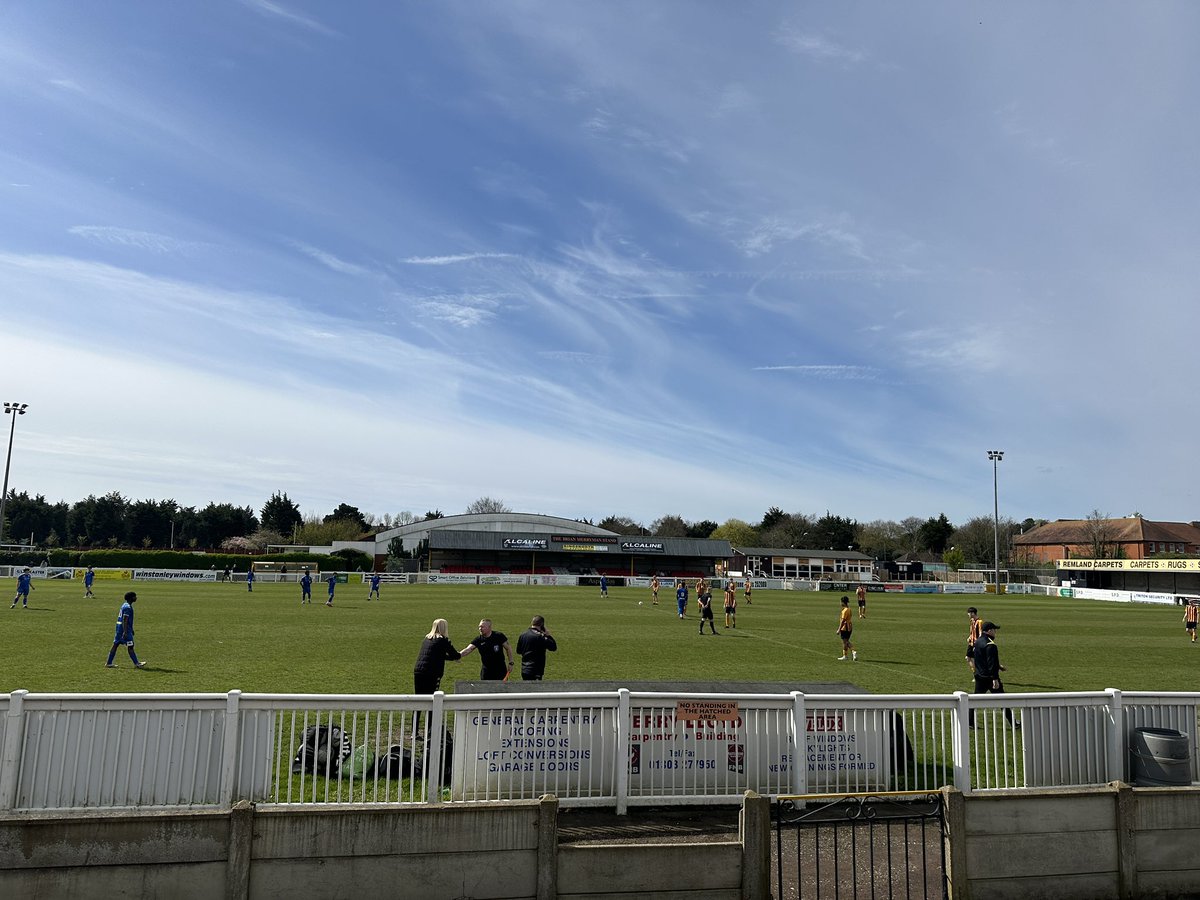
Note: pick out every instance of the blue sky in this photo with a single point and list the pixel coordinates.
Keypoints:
(626, 257)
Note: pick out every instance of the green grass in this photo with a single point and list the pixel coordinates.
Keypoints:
(215, 637)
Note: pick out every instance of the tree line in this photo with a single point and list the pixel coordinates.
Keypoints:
(112, 520)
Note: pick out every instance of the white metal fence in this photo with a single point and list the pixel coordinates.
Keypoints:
(66, 751)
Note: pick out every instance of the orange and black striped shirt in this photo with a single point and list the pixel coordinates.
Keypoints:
(974, 630)
(1191, 614)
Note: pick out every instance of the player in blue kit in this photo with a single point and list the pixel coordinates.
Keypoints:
(88, 578)
(332, 582)
(306, 588)
(24, 586)
(375, 579)
(124, 633)
(250, 580)
(681, 597)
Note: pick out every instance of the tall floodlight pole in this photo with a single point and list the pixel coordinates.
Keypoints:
(995, 456)
(14, 410)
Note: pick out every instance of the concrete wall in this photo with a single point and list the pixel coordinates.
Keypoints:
(1085, 844)
(507, 851)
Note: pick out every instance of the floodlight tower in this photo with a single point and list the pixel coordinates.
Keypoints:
(995, 456)
(14, 410)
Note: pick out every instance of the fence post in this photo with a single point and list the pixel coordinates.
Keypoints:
(800, 751)
(229, 748)
(10, 755)
(621, 760)
(962, 741)
(433, 749)
(1116, 736)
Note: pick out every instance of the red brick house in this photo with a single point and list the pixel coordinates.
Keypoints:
(1131, 538)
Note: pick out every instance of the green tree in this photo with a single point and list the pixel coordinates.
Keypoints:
(281, 515)
(702, 529)
(772, 518)
(832, 532)
(934, 534)
(669, 526)
(220, 521)
(954, 559)
(148, 522)
(620, 525)
(100, 521)
(737, 532)
(434, 514)
(882, 539)
(347, 513)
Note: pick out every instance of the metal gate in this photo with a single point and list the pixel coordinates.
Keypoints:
(860, 846)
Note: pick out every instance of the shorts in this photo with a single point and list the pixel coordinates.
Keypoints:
(862, 603)
(970, 651)
(730, 610)
(1191, 626)
(845, 635)
(706, 613)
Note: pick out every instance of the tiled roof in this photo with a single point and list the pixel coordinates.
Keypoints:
(1133, 530)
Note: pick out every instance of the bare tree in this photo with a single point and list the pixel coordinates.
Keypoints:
(1100, 534)
(487, 505)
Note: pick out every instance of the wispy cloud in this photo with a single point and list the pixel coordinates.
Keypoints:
(329, 260)
(510, 180)
(68, 84)
(818, 47)
(139, 240)
(454, 258)
(1050, 148)
(773, 231)
(827, 373)
(466, 311)
(279, 11)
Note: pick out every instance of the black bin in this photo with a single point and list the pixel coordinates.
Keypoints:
(1160, 756)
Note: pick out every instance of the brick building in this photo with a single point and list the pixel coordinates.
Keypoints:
(1130, 538)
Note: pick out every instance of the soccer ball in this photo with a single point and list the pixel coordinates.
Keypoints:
(639, 603)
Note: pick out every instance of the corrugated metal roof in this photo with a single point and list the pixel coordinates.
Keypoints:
(798, 551)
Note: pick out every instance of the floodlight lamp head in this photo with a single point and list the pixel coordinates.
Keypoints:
(17, 408)
(995, 454)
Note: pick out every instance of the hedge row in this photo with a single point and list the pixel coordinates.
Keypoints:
(172, 559)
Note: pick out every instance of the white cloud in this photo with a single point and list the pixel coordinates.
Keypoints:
(818, 47)
(463, 311)
(329, 260)
(275, 10)
(829, 373)
(454, 258)
(140, 240)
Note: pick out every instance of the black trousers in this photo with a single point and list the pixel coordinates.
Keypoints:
(984, 684)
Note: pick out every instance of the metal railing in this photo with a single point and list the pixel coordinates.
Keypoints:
(615, 748)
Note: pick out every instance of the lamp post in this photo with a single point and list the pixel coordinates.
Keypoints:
(14, 410)
(995, 456)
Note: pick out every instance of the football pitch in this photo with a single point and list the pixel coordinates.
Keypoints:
(217, 637)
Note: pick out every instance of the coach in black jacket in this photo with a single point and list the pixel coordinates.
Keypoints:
(532, 646)
(988, 668)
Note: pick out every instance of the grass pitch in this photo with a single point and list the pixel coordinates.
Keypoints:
(216, 637)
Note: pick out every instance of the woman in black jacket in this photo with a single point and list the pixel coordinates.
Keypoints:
(431, 661)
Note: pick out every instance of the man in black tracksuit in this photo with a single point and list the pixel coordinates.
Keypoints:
(988, 667)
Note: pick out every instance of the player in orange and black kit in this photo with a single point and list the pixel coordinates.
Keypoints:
(844, 629)
(861, 593)
(1190, 615)
(974, 630)
(654, 590)
(746, 591)
(730, 605)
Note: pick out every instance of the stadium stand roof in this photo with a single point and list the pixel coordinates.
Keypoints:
(800, 552)
(618, 545)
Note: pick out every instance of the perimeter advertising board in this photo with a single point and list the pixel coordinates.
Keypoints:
(439, 578)
(715, 747)
(504, 579)
(174, 575)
